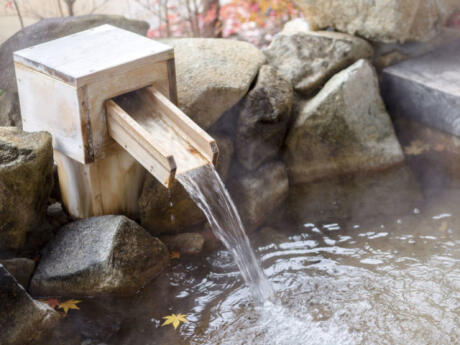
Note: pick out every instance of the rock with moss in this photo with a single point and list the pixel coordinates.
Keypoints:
(308, 59)
(26, 180)
(99, 256)
(23, 320)
(344, 129)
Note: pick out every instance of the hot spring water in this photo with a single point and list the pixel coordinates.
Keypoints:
(206, 188)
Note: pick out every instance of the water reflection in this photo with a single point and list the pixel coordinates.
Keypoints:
(394, 280)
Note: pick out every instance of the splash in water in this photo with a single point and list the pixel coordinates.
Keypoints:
(206, 188)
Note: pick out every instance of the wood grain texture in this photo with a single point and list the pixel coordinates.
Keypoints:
(93, 54)
(162, 138)
(141, 144)
(96, 65)
(182, 124)
(48, 104)
(108, 186)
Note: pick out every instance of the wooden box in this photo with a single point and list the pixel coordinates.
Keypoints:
(64, 83)
(67, 86)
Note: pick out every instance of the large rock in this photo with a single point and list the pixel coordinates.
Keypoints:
(308, 59)
(263, 119)
(10, 114)
(213, 75)
(20, 268)
(344, 129)
(22, 320)
(426, 89)
(387, 21)
(97, 256)
(226, 152)
(26, 180)
(43, 31)
(257, 193)
(434, 156)
(165, 210)
(188, 243)
(392, 52)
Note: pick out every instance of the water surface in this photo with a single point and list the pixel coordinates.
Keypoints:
(382, 280)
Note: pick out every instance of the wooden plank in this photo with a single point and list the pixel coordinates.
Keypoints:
(90, 55)
(172, 81)
(188, 129)
(141, 144)
(119, 83)
(108, 186)
(48, 104)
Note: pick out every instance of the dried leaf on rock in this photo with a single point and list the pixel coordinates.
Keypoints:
(174, 254)
(52, 302)
(415, 148)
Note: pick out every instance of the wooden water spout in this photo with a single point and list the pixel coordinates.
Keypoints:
(108, 98)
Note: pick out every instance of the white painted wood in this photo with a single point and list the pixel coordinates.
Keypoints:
(162, 138)
(146, 148)
(98, 92)
(182, 124)
(93, 54)
(109, 186)
(50, 105)
(110, 72)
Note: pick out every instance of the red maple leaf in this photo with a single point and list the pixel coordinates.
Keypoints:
(52, 302)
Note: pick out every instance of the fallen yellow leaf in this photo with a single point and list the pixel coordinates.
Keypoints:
(175, 320)
(174, 254)
(70, 304)
(416, 147)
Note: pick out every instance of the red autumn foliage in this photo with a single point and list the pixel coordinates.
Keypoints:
(454, 21)
(251, 20)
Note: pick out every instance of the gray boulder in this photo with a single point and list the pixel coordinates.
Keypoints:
(213, 75)
(43, 31)
(188, 243)
(226, 152)
(26, 180)
(386, 21)
(263, 119)
(22, 320)
(98, 256)
(10, 114)
(344, 129)
(20, 268)
(257, 193)
(308, 59)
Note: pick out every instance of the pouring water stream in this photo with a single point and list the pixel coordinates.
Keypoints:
(207, 190)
